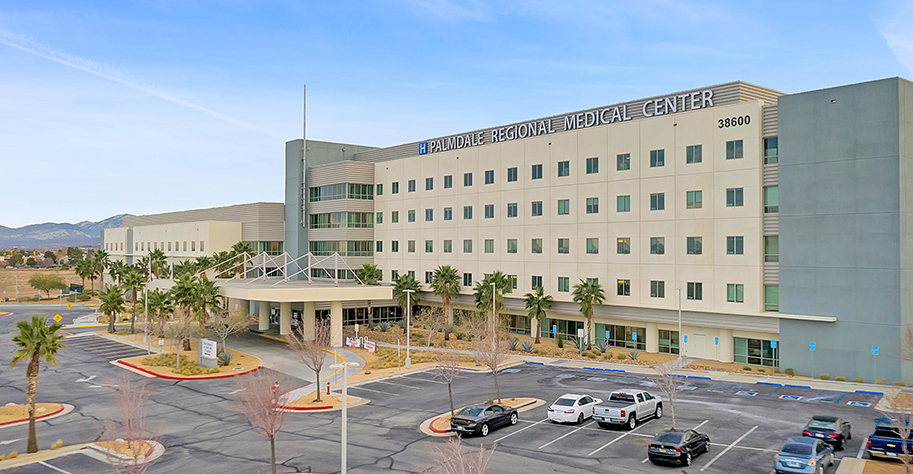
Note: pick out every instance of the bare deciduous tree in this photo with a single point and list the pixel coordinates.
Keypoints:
(130, 438)
(668, 383)
(899, 410)
(490, 349)
(433, 318)
(224, 323)
(181, 329)
(258, 400)
(447, 369)
(312, 352)
(451, 458)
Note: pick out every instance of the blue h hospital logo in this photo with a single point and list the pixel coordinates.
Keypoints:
(423, 148)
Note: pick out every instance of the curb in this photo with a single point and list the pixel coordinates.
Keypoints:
(178, 377)
(56, 412)
(323, 408)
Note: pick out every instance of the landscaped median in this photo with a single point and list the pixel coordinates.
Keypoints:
(13, 414)
(327, 403)
(106, 451)
(163, 365)
(440, 425)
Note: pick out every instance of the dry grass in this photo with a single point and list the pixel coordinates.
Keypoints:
(883, 467)
(240, 362)
(8, 281)
(20, 412)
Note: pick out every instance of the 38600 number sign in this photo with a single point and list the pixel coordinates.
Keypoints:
(735, 121)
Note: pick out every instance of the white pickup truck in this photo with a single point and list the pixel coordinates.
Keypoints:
(627, 408)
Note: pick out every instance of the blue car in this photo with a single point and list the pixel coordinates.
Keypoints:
(804, 455)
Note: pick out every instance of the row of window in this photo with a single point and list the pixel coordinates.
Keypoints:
(149, 246)
(332, 192)
(334, 220)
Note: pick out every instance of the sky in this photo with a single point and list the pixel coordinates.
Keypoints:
(155, 106)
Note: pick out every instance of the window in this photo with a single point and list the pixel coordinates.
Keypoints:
(169, 245)
(622, 336)
(564, 245)
(755, 351)
(467, 246)
(657, 289)
(394, 246)
(735, 293)
(735, 245)
(592, 205)
(734, 150)
(394, 274)
(489, 176)
(511, 245)
(657, 245)
(380, 189)
(592, 245)
(536, 246)
(411, 273)
(201, 246)
(695, 290)
(448, 181)
(467, 212)
(512, 209)
(448, 246)
(513, 281)
(668, 342)
(623, 203)
(342, 191)
(429, 246)
(657, 158)
(193, 245)
(537, 172)
(564, 207)
(429, 215)
(624, 245)
(448, 213)
(657, 201)
(772, 298)
(692, 154)
(394, 188)
(772, 199)
(770, 151)
(394, 216)
(489, 246)
(429, 184)
(694, 246)
(185, 245)
(734, 197)
(564, 168)
(467, 279)
(411, 185)
(771, 248)
(410, 245)
(334, 220)
(379, 218)
(536, 281)
(564, 284)
(592, 165)
(592, 281)
(537, 208)
(511, 174)
(411, 215)
(379, 246)
(467, 179)
(624, 287)
(624, 161)
(693, 200)
(428, 276)
(489, 211)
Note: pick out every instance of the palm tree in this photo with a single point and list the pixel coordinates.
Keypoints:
(84, 268)
(586, 294)
(112, 303)
(206, 294)
(445, 282)
(369, 274)
(537, 302)
(242, 247)
(159, 303)
(35, 340)
(406, 282)
(159, 262)
(223, 261)
(203, 263)
(100, 261)
(185, 267)
(482, 292)
(116, 269)
(183, 293)
(134, 281)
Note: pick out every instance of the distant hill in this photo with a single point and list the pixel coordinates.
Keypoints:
(51, 235)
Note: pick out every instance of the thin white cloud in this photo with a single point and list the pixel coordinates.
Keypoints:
(895, 29)
(106, 72)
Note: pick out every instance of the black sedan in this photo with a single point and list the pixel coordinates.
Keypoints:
(678, 446)
(829, 429)
(481, 419)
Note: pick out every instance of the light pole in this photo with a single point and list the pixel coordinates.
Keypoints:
(345, 396)
(408, 326)
(681, 338)
(494, 317)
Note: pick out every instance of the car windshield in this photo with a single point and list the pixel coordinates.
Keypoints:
(471, 411)
(796, 448)
(565, 402)
(622, 397)
(670, 438)
(826, 425)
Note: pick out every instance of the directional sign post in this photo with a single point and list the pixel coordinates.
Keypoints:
(773, 344)
(875, 362)
(811, 350)
(57, 318)
(69, 305)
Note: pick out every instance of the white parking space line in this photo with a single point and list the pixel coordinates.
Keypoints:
(54, 467)
(566, 435)
(397, 384)
(614, 440)
(419, 379)
(728, 448)
(372, 390)
(862, 448)
(521, 429)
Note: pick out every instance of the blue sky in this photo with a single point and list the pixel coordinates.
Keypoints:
(154, 106)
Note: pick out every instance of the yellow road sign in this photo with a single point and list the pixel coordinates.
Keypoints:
(69, 305)
(57, 318)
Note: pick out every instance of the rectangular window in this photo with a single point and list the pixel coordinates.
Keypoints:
(410, 245)
(411, 215)
(695, 290)
(735, 293)
(489, 211)
(624, 161)
(428, 276)
(379, 246)
(564, 284)
(467, 279)
(592, 205)
(693, 200)
(394, 274)
(770, 151)
(535, 281)
(394, 187)
(185, 245)
(411, 273)
(592, 281)
(394, 216)
(169, 246)
(429, 184)
(379, 218)
(489, 246)
(429, 246)
(489, 176)
(537, 208)
(511, 245)
(193, 245)
(772, 298)
(657, 289)
(624, 287)
(564, 207)
(734, 150)
(657, 158)
(201, 246)
(394, 246)
(592, 165)
(734, 197)
(467, 212)
(657, 245)
(624, 245)
(623, 203)
(411, 185)
(592, 245)
(735, 245)
(448, 246)
(512, 209)
(755, 351)
(564, 168)
(429, 215)
(380, 189)
(692, 154)
(513, 281)
(511, 174)
(772, 199)
(694, 246)
(448, 181)
(668, 341)
(657, 201)
(771, 248)
(467, 179)
(467, 246)
(537, 172)
(536, 246)
(564, 245)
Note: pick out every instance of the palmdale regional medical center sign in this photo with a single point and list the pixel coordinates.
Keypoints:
(619, 113)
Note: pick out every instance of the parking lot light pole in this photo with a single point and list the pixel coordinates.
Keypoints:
(345, 397)
(408, 326)
(681, 338)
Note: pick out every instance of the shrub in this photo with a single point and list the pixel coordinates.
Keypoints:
(579, 343)
(602, 346)
(367, 372)
(622, 357)
(761, 370)
(587, 354)
(633, 354)
(776, 370)
(790, 371)
(592, 355)
(459, 336)
(35, 298)
(527, 346)
(12, 455)
(560, 341)
(840, 378)
(224, 357)
(824, 377)
(57, 444)
(858, 380)
(746, 368)
(899, 384)
(879, 382)
(512, 343)
(161, 360)
(2, 457)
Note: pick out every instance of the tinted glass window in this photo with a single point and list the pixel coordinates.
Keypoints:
(565, 402)
(670, 438)
(470, 411)
(796, 448)
(821, 424)
(886, 433)
(622, 397)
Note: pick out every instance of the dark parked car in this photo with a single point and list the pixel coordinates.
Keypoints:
(480, 419)
(831, 429)
(678, 446)
(803, 455)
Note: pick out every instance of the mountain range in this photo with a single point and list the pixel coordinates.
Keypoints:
(52, 235)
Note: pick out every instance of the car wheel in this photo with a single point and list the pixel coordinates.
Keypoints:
(580, 419)
(484, 430)
(632, 422)
(687, 460)
(841, 444)
(849, 434)
(513, 418)
(659, 411)
(821, 469)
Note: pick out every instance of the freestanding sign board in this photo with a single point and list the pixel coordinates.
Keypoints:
(208, 354)
(353, 342)
(370, 346)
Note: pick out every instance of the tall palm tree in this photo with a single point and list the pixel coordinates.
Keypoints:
(159, 262)
(406, 282)
(482, 291)
(207, 294)
(116, 269)
(183, 293)
(100, 261)
(537, 302)
(84, 268)
(369, 274)
(159, 304)
(445, 282)
(203, 263)
(223, 261)
(111, 303)
(587, 294)
(35, 340)
(134, 281)
(242, 247)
